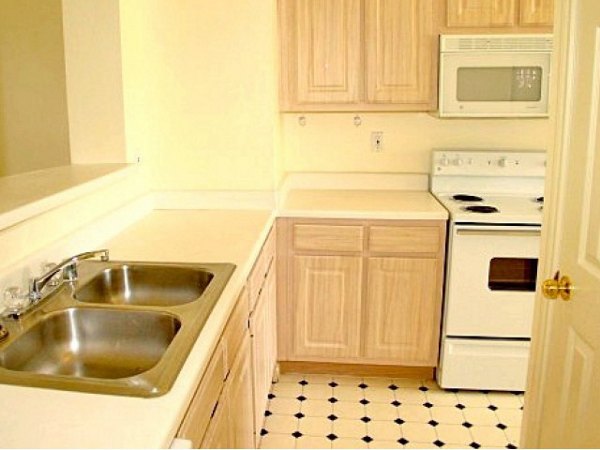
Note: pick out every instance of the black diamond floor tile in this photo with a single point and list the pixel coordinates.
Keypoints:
(467, 424)
(511, 446)
(403, 441)
(423, 388)
(333, 384)
(268, 413)
(364, 401)
(433, 423)
(332, 417)
(263, 432)
(399, 421)
(331, 437)
(396, 403)
(303, 382)
(299, 415)
(271, 396)
(301, 398)
(428, 405)
(297, 434)
(493, 408)
(501, 426)
(393, 387)
(474, 445)
(365, 419)
(332, 400)
(363, 385)
(460, 406)
(439, 443)
(367, 439)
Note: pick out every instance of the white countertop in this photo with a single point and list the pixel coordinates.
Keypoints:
(362, 204)
(34, 417)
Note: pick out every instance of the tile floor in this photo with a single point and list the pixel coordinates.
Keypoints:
(320, 411)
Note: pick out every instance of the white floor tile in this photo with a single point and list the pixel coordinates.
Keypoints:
(347, 443)
(418, 432)
(380, 395)
(381, 411)
(318, 378)
(317, 408)
(448, 415)
(349, 410)
(312, 442)
(290, 378)
(287, 390)
(347, 428)
(475, 399)
(315, 426)
(412, 396)
(489, 436)
(414, 413)
(419, 445)
(384, 444)
(289, 406)
(273, 440)
(453, 434)
(281, 424)
(407, 382)
(441, 398)
(480, 416)
(317, 391)
(384, 430)
(510, 417)
(343, 380)
(348, 393)
(504, 400)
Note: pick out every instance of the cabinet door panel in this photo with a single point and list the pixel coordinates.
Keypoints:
(402, 310)
(480, 13)
(218, 434)
(264, 347)
(327, 293)
(328, 48)
(400, 39)
(537, 13)
(241, 400)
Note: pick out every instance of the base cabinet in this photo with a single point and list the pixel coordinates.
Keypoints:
(360, 292)
(241, 401)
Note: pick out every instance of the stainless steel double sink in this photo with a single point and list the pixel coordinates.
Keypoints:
(122, 328)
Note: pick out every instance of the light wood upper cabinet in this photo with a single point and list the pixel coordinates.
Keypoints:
(328, 44)
(481, 13)
(537, 13)
(326, 304)
(330, 64)
(499, 16)
(402, 310)
(400, 52)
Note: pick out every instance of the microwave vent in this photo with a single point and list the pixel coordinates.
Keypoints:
(496, 43)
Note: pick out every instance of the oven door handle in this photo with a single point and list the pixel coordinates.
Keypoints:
(522, 233)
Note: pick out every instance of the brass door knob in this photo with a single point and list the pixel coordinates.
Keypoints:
(558, 287)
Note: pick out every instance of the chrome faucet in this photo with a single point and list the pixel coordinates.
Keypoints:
(21, 303)
(68, 267)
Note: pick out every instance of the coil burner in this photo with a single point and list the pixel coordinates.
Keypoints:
(485, 209)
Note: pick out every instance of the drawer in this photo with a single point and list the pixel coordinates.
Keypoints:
(340, 238)
(205, 399)
(236, 329)
(261, 268)
(390, 239)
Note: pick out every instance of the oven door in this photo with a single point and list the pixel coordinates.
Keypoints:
(491, 280)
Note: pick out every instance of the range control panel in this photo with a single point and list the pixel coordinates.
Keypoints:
(489, 163)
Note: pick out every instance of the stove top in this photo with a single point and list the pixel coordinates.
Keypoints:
(507, 209)
(500, 187)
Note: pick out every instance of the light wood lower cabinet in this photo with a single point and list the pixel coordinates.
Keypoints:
(325, 303)
(401, 315)
(241, 401)
(377, 302)
(218, 434)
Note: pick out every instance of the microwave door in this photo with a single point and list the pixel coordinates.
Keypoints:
(494, 85)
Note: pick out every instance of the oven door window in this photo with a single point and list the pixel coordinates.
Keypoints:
(512, 274)
(499, 84)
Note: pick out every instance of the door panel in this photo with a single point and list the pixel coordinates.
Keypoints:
(537, 13)
(402, 311)
(480, 13)
(328, 48)
(563, 397)
(400, 65)
(326, 292)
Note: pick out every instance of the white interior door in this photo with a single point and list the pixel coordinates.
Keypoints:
(562, 406)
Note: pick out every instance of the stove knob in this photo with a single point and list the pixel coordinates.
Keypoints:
(502, 162)
(458, 162)
(444, 161)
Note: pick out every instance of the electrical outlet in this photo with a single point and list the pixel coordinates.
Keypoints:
(377, 141)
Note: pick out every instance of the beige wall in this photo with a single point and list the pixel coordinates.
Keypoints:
(94, 81)
(33, 109)
(200, 79)
(331, 142)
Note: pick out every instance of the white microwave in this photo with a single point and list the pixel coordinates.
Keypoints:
(494, 75)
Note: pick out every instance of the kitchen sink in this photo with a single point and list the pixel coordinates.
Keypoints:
(96, 343)
(122, 327)
(145, 285)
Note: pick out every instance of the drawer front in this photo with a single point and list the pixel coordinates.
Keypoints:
(261, 268)
(388, 239)
(340, 238)
(236, 328)
(205, 399)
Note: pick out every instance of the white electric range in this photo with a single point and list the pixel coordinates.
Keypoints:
(495, 203)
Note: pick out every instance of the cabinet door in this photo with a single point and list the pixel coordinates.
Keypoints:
(322, 48)
(327, 300)
(241, 399)
(218, 434)
(264, 347)
(537, 13)
(480, 13)
(400, 63)
(402, 311)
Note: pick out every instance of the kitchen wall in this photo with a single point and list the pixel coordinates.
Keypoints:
(94, 81)
(33, 110)
(200, 83)
(331, 142)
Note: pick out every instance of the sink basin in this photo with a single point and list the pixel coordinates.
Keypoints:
(92, 343)
(123, 328)
(145, 285)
